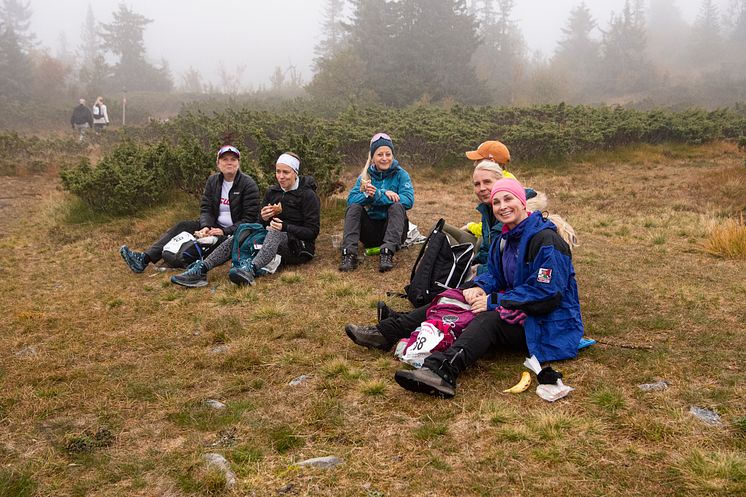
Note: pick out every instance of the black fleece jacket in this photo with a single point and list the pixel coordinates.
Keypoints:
(301, 213)
(81, 115)
(243, 200)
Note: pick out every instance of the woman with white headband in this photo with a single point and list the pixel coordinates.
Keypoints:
(377, 205)
(291, 211)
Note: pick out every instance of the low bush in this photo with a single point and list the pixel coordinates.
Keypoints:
(182, 148)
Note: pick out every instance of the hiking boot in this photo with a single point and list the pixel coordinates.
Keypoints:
(382, 311)
(386, 262)
(425, 380)
(349, 261)
(194, 276)
(367, 336)
(242, 276)
(135, 260)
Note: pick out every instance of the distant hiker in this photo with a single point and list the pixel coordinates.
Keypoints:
(376, 206)
(526, 302)
(100, 115)
(230, 198)
(291, 213)
(81, 119)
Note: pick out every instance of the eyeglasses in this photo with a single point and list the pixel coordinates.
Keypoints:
(378, 136)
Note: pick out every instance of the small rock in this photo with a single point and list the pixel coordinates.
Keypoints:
(657, 386)
(286, 489)
(29, 351)
(219, 349)
(300, 379)
(322, 462)
(215, 404)
(218, 461)
(708, 416)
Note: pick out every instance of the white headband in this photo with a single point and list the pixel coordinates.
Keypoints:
(289, 160)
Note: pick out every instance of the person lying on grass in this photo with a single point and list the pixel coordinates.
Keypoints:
(291, 212)
(377, 206)
(527, 301)
(230, 198)
(490, 159)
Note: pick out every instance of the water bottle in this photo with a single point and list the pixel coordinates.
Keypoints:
(373, 251)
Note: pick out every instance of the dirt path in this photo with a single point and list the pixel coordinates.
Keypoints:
(19, 195)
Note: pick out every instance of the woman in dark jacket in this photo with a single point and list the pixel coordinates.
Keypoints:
(230, 198)
(291, 211)
(527, 301)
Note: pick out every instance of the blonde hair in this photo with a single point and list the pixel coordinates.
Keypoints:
(488, 165)
(364, 174)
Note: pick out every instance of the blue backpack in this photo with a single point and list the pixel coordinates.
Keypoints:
(247, 240)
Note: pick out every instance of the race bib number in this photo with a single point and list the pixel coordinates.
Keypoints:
(176, 242)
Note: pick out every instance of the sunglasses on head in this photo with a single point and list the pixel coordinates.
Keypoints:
(378, 136)
(228, 148)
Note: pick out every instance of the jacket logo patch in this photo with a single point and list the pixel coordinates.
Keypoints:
(545, 275)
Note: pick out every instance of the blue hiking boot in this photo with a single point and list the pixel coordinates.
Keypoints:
(195, 275)
(242, 275)
(135, 260)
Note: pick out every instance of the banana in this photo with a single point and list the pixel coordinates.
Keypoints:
(522, 385)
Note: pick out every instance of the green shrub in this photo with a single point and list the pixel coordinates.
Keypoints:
(130, 178)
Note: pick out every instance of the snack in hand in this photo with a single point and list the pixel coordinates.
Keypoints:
(363, 184)
(278, 208)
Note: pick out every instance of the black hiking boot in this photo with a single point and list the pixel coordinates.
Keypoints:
(367, 336)
(386, 262)
(135, 260)
(349, 261)
(195, 276)
(425, 380)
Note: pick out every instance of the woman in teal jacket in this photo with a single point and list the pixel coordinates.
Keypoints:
(376, 206)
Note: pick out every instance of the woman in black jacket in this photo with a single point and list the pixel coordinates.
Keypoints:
(230, 198)
(291, 211)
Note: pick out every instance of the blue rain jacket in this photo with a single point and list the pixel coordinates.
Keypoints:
(544, 288)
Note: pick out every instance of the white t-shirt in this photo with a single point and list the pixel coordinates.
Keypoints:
(224, 218)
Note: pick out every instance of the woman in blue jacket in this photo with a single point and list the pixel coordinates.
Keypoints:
(527, 301)
(377, 205)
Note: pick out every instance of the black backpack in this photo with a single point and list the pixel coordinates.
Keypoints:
(439, 266)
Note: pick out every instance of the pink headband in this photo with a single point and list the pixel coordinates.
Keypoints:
(511, 186)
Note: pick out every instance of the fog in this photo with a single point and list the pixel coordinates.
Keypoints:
(262, 35)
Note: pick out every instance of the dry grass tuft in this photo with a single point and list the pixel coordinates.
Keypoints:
(727, 239)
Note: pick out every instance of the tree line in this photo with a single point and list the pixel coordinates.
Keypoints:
(401, 52)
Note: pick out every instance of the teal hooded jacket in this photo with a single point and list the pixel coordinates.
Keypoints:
(393, 179)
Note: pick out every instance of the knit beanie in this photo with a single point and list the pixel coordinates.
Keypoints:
(381, 142)
(509, 185)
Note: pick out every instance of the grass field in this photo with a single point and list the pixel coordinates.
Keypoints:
(105, 373)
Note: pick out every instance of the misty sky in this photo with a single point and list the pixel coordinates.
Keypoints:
(262, 34)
